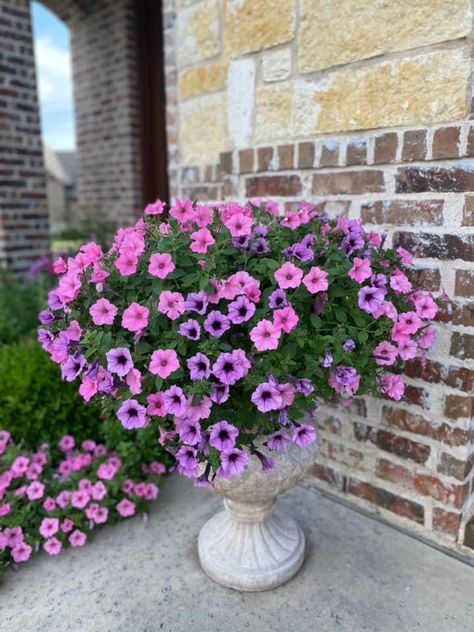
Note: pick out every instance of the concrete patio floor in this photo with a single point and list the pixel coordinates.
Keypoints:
(359, 575)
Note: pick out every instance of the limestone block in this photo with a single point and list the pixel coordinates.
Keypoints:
(276, 65)
(202, 80)
(334, 33)
(203, 128)
(197, 33)
(252, 25)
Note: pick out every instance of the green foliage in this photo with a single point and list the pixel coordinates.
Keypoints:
(35, 404)
(20, 302)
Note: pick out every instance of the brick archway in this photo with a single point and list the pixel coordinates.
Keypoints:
(119, 108)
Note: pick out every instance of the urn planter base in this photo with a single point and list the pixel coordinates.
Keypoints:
(251, 547)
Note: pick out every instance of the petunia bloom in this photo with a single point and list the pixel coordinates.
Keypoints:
(316, 280)
(103, 312)
(135, 317)
(164, 362)
(288, 276)
(265, 335)
(161, 265)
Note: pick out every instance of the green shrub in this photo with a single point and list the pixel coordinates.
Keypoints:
(20, 302)
(36, 406)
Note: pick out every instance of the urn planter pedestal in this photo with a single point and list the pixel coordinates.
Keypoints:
(253, 545)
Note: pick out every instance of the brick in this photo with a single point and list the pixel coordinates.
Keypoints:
(470, 141)
(458, 406)
(468, 211)
(446, 143)
(434, 246)
(286, 156)
(414, 145)
(416, 424)
(464, 286)
(462, 346)
(427, 278)
(306, 154)
(246, 160)
(385, 148)
(329, 154)
(273, 185)
(446, 522)
(399, 212)
(202, 193)
(441, 179)
(423, 484)
(457, 314)
(387, 500)
(342, 454)
(356, 153)
(348, 182)
(460, 378)
(329, 423)
(417, 396)
(452, 466)
(264, 158)
(390, 442)
(225, 163)
(469, 534)
(329, 475)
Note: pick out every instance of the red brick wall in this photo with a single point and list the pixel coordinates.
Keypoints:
(411, 462)
(23, 213)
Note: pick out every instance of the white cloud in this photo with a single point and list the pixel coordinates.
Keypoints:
(53, 68)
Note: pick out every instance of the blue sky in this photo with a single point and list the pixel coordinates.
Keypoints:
(53, 67)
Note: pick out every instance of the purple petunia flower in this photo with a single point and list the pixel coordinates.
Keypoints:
(241, 242)
(204, 442)
(46, 317)
(327, 360)
(228, 368)
(260, 246)
(219, 393)
(278, 441)
(266, 397)
(349, 345)
(190, 432)
(53, 301)
(203, 480)
(223, 436)
(241, 310)
(105, 382)
(190, 329)
(233, 463)
(351, 243)
(370, 299)
(187, 461)
(45, 338)
(379, 280)
(132, 414)
(304, 386)
(174, 401)
(319, 303)
(73, 367)
(196, 302)
(216, 324)
(303, 253)
(199, 367)
(304, 435)
(277, 299)
(267, 463)
(119, 361)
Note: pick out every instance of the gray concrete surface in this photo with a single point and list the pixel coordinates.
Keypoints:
(359, 575)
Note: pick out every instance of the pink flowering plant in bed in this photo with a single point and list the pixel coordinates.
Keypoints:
(223, 325)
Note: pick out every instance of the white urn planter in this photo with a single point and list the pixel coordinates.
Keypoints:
(253, 545)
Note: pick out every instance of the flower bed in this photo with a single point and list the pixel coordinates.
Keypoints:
(226, 323)
(56, 496)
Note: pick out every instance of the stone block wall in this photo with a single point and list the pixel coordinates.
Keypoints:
(365, 110)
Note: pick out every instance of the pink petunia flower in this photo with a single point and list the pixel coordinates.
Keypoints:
(127, 263)
(156, 208)
(79, 499)
(424, 305)
(125, 508)
(49, 527)
(103, 312)
(391, 385)
(385, 353)
(201, 240)
(77, 538)
(156, 405)
(316, 280)
(35, 490)
(409, 322)
(265, 335)
(161, 265)
(53, 546)
(285, 319)
(164, 362)
(399, 282)
(239, 224)
(360, 270)
(171, 304)
(288, 276)
(67, 525)
(98, 491)
(407, 349)
(427, 338)
(67, 443)
(135, 317)
(133, 380)
(21, 552)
